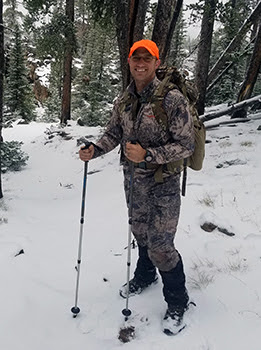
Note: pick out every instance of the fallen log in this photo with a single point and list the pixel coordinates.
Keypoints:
(230, 109)
(230, 122)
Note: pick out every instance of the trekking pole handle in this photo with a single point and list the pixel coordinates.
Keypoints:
(133, 140)
(87, 144)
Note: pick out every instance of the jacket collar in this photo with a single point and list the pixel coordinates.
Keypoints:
(146, 92)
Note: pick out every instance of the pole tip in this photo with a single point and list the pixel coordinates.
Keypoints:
(126, 312)
(75, 310)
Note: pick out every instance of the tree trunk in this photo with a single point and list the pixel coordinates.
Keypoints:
(162, 22)
(1, 87)
(234, 43)
(204, 50)
(172, 27)
(103, 53)
(253, 70)
(67, 70)
(122, 30)
(130, 21)
(251, 76)
(138, 21)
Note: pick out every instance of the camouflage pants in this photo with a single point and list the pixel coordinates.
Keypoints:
(155, 215)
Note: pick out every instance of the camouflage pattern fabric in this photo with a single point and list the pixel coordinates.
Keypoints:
(177, 142)
(156, 206)
(155, 215)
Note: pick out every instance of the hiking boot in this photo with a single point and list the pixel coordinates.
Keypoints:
(144, 275)
(173, 320)
(136, 286)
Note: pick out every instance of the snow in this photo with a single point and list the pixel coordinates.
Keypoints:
(40, 214)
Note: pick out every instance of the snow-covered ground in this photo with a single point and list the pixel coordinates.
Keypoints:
(40, 216)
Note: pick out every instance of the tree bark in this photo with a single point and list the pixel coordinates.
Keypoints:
(1, 87)
(253, 70)
(234, 43)
(204, 50)
(171, 30)
(251, 76)
(122, 30)
(138, 21)
(67, 70)
(162, 22)
(130, 22)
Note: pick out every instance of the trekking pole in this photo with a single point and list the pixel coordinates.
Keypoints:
(127, 312)
(75, 309)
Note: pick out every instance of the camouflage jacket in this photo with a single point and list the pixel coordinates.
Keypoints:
(165, 144)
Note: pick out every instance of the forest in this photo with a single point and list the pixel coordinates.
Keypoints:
(67, 59)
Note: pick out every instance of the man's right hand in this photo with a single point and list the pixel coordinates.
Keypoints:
(86, 154)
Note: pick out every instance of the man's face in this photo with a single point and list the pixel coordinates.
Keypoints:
(143, 66)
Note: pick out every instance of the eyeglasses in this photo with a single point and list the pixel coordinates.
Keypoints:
(146, 59)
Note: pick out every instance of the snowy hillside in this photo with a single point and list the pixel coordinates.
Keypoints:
(39, 232)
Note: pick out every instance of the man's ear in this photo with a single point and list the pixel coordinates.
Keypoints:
(157, 63)
(128, 60)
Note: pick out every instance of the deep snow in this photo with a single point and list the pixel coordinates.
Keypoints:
(40, 213)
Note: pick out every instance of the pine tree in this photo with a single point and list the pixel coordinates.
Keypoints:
(97, 82)
(13, 158)
(18, 94)
(12, 16)
(50, 28)
(69, 50)
(49, 42)
(53, 103)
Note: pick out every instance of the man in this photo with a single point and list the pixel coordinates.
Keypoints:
(156, 204)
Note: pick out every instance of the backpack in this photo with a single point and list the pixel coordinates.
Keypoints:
(171, 78)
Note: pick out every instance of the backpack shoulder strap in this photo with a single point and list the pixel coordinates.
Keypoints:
(157, 100)
(124, 100)
(129, 102)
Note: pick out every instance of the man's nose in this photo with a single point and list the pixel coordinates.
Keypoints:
(141, 59)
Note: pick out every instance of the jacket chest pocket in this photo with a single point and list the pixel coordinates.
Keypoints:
(149, 128)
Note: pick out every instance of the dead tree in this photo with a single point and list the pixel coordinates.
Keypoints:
(204, 49)
(230, 109)
(67, 69)
(235, 42)
(230, 65)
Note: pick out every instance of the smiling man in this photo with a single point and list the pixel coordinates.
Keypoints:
(156, 188)
(143, 64)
